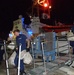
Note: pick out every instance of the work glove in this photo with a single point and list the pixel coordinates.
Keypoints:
(27, 49)
(8, 42)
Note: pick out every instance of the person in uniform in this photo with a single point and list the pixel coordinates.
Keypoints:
(25, 44)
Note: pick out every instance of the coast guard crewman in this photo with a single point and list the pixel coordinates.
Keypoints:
(25, 44)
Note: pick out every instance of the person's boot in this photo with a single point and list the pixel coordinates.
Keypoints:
(22, 73)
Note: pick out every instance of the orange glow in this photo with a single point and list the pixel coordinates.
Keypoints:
(45, 5)
(50, 7)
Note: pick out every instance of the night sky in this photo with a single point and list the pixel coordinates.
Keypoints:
(62, 10)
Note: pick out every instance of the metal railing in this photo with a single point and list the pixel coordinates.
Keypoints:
(4, 44)
(66, 46)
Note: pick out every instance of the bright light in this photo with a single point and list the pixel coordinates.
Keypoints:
(45, 5)
(30, 32)
(50, 7)
(10, 35)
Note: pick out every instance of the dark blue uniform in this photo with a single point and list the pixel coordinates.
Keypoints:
(72, 45)
(21, 39)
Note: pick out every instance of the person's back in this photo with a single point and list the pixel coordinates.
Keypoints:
(21, 39)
